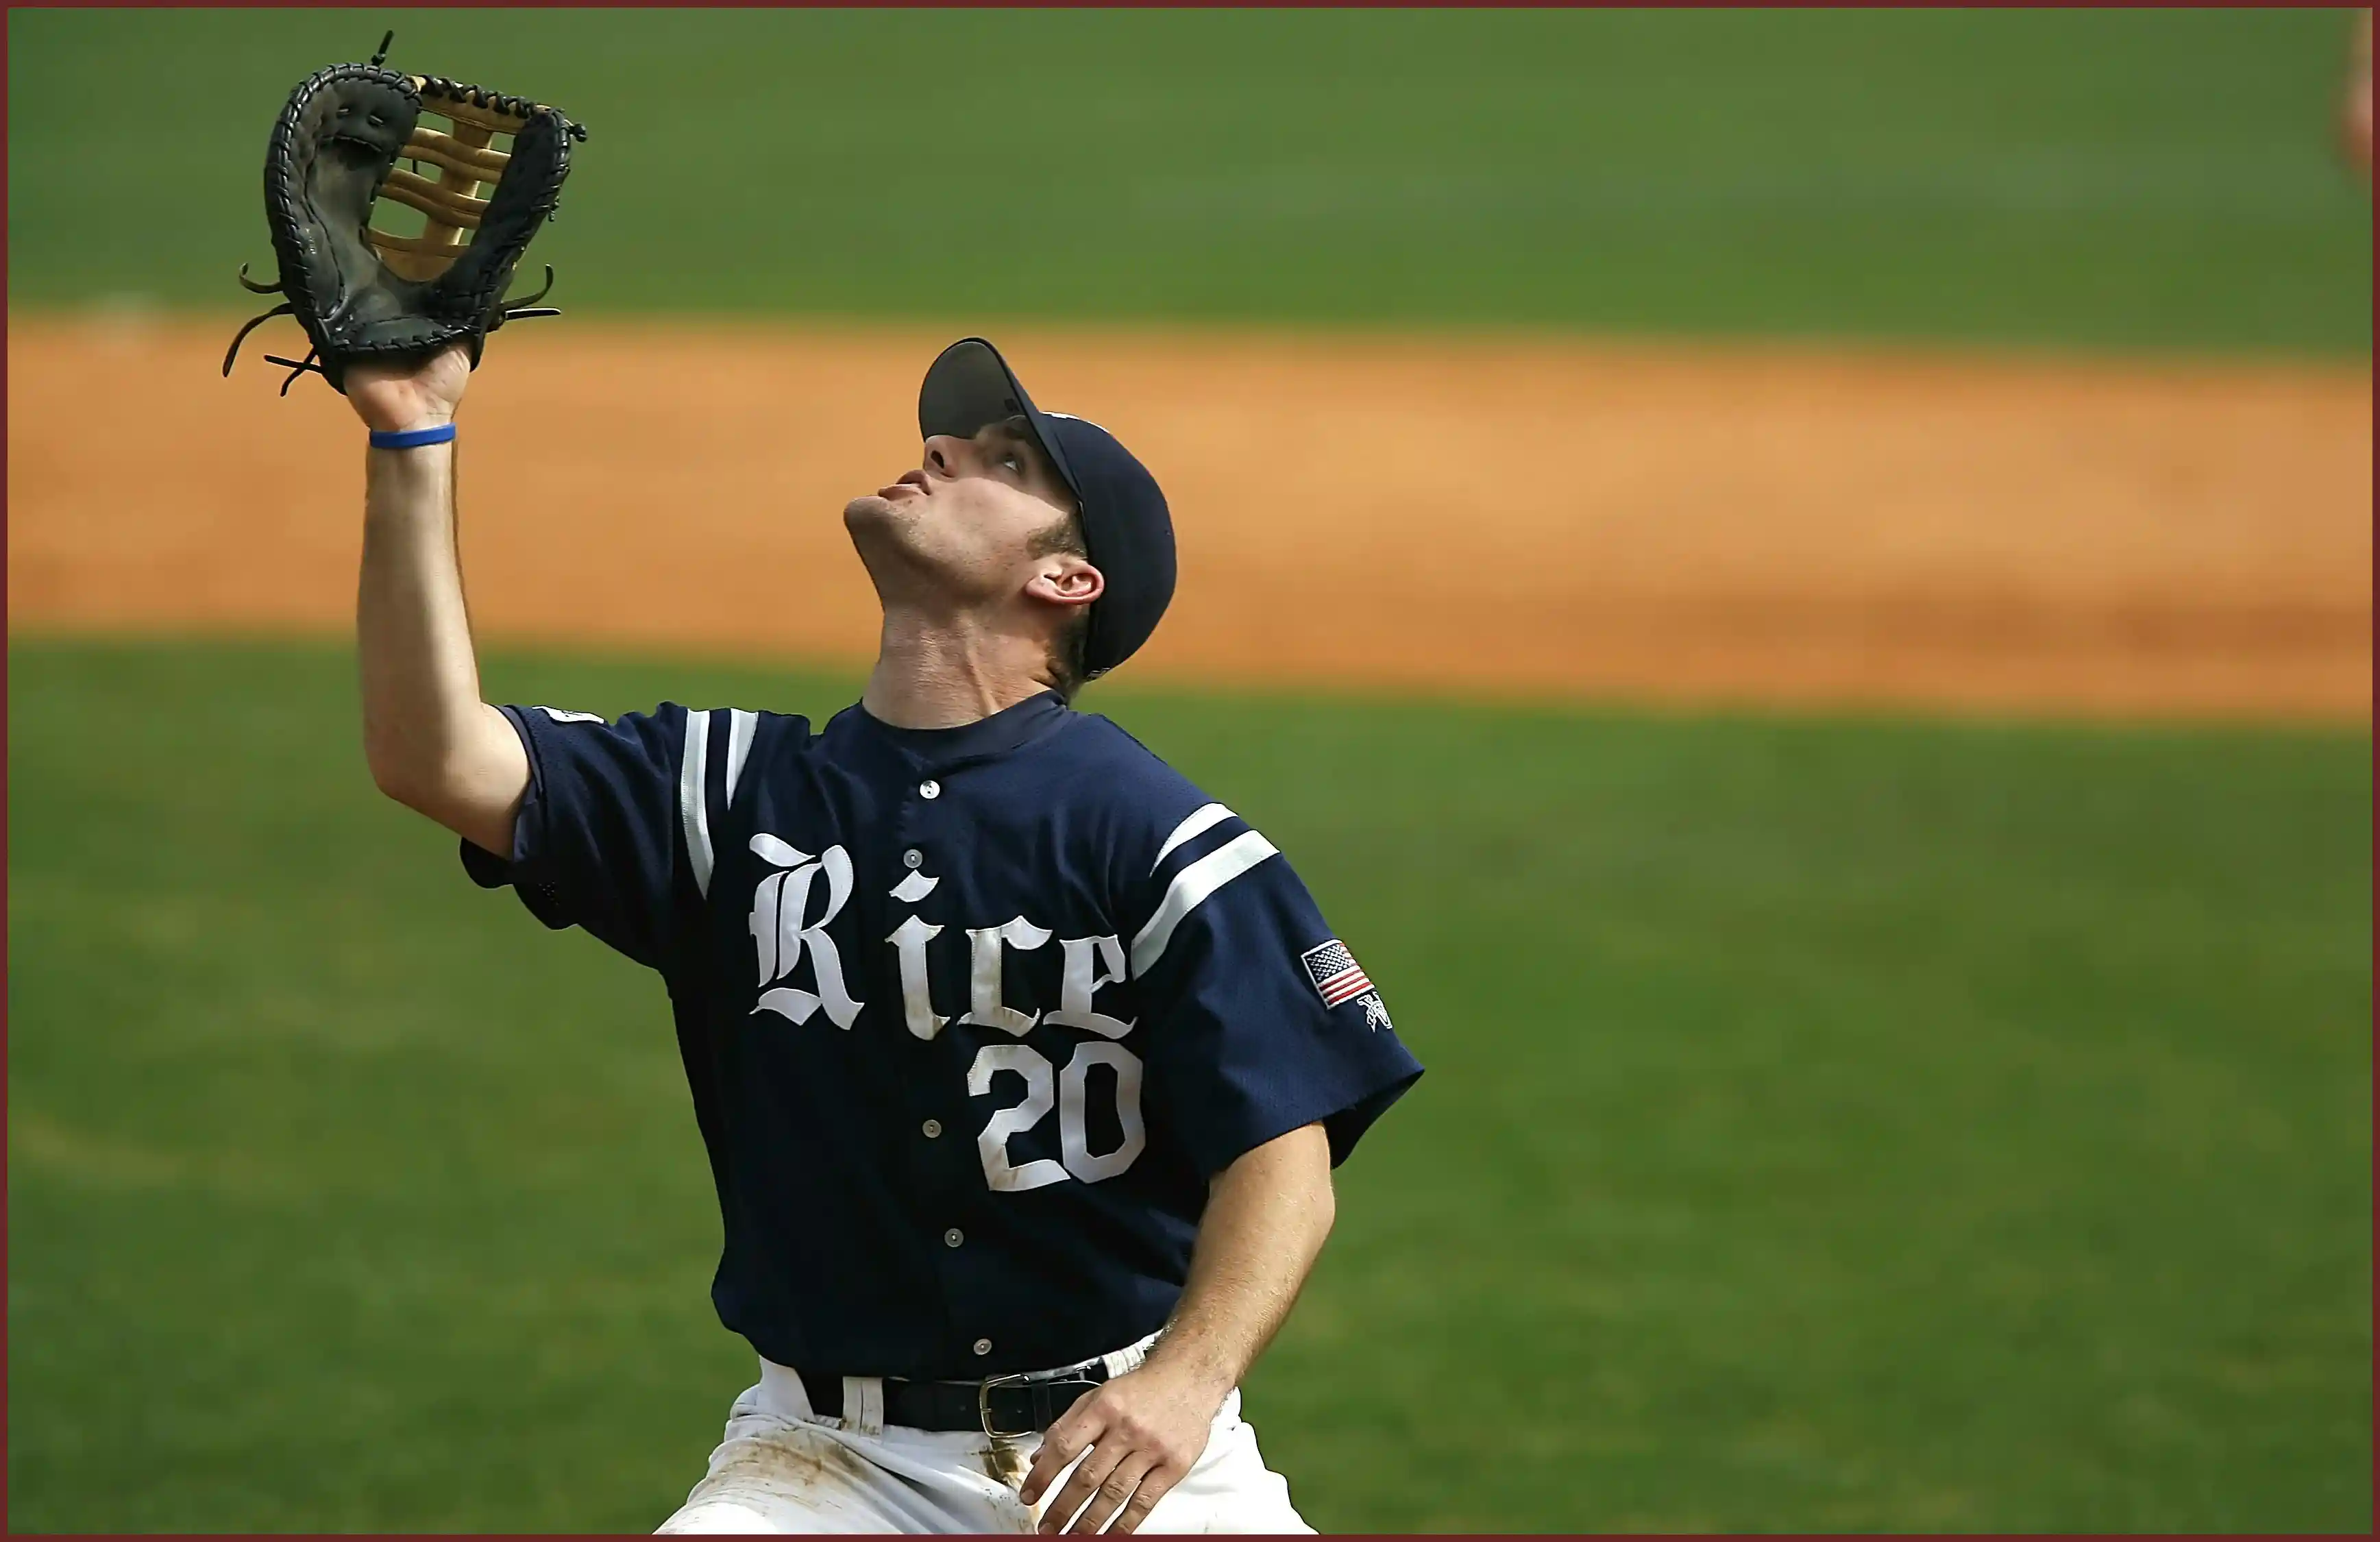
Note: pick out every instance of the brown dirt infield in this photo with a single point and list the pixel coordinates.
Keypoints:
(1769, 525)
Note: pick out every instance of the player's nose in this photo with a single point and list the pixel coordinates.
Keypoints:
(946, 456)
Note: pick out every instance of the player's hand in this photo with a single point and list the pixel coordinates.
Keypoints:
(391, 398)
(1144, 1431)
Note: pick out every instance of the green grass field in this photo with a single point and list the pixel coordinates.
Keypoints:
(2138, 178)
(1832, 1124)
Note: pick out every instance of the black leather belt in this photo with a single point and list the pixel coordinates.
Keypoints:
(1019, 1405)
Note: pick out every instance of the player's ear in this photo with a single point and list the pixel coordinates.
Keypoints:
(1066, 580)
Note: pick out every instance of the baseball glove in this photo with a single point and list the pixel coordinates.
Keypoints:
(364, 294)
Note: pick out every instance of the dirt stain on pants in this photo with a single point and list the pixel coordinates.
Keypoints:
(1003, 1462)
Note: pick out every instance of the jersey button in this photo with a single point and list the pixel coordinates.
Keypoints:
(954, 1237)
(983, 1346)
(930, 789)
(932, 1129)
(913, 857)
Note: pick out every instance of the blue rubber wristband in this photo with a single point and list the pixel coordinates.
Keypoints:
(410, 438)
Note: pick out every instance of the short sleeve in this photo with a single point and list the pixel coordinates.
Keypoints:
(1262, 1020)
(598, 844)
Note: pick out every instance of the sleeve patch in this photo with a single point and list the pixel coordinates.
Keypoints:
(558, 715)
(1332, 971)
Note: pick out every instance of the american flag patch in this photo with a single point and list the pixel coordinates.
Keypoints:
(1337, 977)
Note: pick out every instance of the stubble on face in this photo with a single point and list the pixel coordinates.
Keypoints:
(884, 534)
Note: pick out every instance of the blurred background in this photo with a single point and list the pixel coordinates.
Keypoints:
(1800, 582)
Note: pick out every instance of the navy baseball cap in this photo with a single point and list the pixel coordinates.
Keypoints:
(1125, 519)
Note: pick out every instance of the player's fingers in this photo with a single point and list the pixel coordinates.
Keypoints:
(1063, 1441)
(1089, 1473)
(1152, 1487)
(1113, 1491)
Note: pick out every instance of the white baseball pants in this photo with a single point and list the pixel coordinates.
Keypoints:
(781, 1468)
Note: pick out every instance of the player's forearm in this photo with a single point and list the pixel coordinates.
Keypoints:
(430, 741)
(1267, 1216)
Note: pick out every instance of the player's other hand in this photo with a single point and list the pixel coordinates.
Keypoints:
(423, 394)
(1144, 1432)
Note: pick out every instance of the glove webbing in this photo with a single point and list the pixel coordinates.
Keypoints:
(452, 203)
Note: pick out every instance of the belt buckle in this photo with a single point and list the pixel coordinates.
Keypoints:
(983, 1404)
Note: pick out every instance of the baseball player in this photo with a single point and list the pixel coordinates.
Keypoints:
(1022, 1063)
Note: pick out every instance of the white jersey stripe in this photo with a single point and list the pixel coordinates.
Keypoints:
(741, 725)
(1195, 825)
(692, 766)
(1189, 891)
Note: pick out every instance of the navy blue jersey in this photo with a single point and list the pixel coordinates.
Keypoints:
(971, 1016)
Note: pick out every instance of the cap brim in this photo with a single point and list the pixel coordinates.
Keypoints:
(969, 386)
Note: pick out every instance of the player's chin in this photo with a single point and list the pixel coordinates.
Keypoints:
(883, 531)
(870, 511)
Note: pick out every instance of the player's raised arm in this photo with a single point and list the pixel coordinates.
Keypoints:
(432, 743)
(396, 323)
